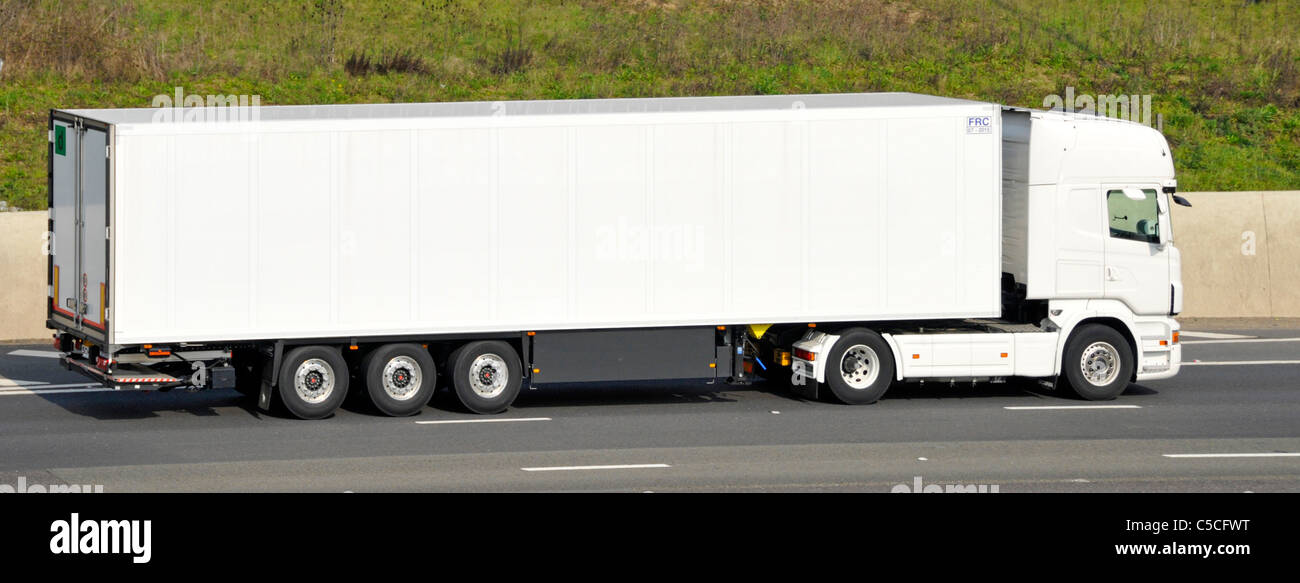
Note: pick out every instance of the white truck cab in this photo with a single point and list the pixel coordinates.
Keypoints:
(1091, 276)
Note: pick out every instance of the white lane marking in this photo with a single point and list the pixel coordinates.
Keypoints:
(1062, 407)
(451, 421)
(89, 388)
(1232, 362)
(579, 468)
(44, 387)
(40, 353)
(13, 383)
(1240, 340)
(1192, 334)
(1217, 455)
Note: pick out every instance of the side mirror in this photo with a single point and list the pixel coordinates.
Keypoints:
(1180, 201)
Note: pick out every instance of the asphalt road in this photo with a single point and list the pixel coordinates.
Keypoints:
(1226, 423)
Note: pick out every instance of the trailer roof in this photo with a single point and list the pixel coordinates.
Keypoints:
(544, 107)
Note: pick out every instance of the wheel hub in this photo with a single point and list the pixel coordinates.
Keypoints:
(488, 375)
(402, 378)
(858, 366)
(1099, 363)
(313, 381)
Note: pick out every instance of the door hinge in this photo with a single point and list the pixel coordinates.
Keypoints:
(108, 232)
(108, 151)
(51, 136)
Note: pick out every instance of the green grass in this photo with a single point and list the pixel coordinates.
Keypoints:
(1224, 74)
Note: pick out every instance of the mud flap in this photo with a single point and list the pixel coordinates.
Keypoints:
(270, 370)
(264, 394)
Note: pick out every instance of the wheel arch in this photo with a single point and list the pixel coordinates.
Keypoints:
(1123, 328)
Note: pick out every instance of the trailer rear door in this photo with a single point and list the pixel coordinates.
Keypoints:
(79, 174)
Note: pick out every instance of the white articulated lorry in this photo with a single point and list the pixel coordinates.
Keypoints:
(841, 242)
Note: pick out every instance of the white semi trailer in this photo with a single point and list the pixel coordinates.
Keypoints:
(846, 242)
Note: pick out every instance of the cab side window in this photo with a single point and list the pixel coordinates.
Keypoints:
(1136, 220)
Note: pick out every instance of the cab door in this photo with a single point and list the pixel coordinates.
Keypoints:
(1137, 256)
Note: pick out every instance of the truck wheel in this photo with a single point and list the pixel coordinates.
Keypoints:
(487, 375)
(1098, 362)
(859, 367)
(400, 378)
(313, 381)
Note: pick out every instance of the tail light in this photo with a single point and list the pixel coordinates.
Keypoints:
(805, 354)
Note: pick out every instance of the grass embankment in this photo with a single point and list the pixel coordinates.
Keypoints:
(1225, 74)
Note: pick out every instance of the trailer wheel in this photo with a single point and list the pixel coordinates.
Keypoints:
(487, 375)
(313, 381)
(1098, 362)
(400, 378)
(859, 367)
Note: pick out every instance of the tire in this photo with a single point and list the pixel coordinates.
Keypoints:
(1097, 363)
(313, 381)
(859, 367)
(476, 374)
(400, 378)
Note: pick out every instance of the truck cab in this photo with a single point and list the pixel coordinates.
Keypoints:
(1100, 241)
(1091, 275)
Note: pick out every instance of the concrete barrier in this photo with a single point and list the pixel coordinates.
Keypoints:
(1241, 259)
(1240, 253)
(24, 287)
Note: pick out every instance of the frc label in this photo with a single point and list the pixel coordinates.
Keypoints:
(979, 124)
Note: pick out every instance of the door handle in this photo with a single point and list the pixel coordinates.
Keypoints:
(1112, 274)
